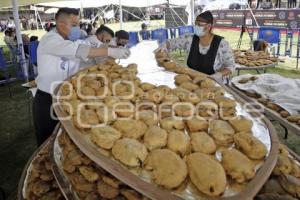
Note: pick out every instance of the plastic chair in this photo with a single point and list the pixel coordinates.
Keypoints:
(160, 34)
(133, 39)
(185, 29)
(32, 49)
(271, 35)
(4, 69)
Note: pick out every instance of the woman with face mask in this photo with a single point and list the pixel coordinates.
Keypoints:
(121, 39)
(103, 36)
(207, 53)
(58, 57)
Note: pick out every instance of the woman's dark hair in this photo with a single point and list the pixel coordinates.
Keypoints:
(103, 28)
(66, 11)
(207, 16)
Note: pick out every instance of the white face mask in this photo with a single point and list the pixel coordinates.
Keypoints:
(199, 31)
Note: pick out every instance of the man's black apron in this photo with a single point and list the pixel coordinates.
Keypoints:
(200, 62)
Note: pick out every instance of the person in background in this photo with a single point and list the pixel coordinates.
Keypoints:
(9, 40)
(89, 29)
(50, 27)
(83, 33)
(11, 23)
(144, 33)
(34, 38)
(289, 3)
(103, 36)
(58, 57)
(294, 4)
(207, 53)
(26, 41)
(7, 37)
(94, 27)
(278, 4)
(121, 39)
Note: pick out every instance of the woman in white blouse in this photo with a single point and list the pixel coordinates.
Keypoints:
(207, 53)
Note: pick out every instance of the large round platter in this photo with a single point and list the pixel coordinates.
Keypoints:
(262, 130)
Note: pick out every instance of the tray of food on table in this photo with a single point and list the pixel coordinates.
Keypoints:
(190, 138)
(254, 59)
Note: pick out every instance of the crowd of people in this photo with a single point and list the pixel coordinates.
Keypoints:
(10, 41)
(89, 33)
(267, 4)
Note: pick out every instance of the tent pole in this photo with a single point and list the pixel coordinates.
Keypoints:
(81, 9)
(19, 38)
(39, 17)
(36, 17)
(148, 12)
(192, 12)
(121, 15)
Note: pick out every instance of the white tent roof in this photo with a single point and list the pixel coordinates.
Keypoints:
(221, 4)
(93, 3)
(8, 3)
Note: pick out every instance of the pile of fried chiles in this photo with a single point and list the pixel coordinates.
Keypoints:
(174, 134)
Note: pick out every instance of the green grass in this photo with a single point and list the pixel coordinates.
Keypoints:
(17, 141)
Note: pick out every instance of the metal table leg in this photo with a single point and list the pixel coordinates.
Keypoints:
(29, 98)
(286, 131)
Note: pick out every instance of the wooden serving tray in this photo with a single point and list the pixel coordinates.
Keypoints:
(269, 112)
(22, 180)
(63, 184)
(151, 190)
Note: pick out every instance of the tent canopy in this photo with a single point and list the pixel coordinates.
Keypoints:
(93, 3)
(8, 3)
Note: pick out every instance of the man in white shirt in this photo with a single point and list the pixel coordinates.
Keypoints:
(58, 57)
(102, 37)
(121, 39)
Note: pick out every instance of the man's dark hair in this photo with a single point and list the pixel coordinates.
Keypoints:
(7, 32)
(144, 25)
(121, 34)
(207, 16)
(33, 38)
(103, 28)
(66, 11)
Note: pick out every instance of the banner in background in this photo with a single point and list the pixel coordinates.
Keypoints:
(281, 18)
